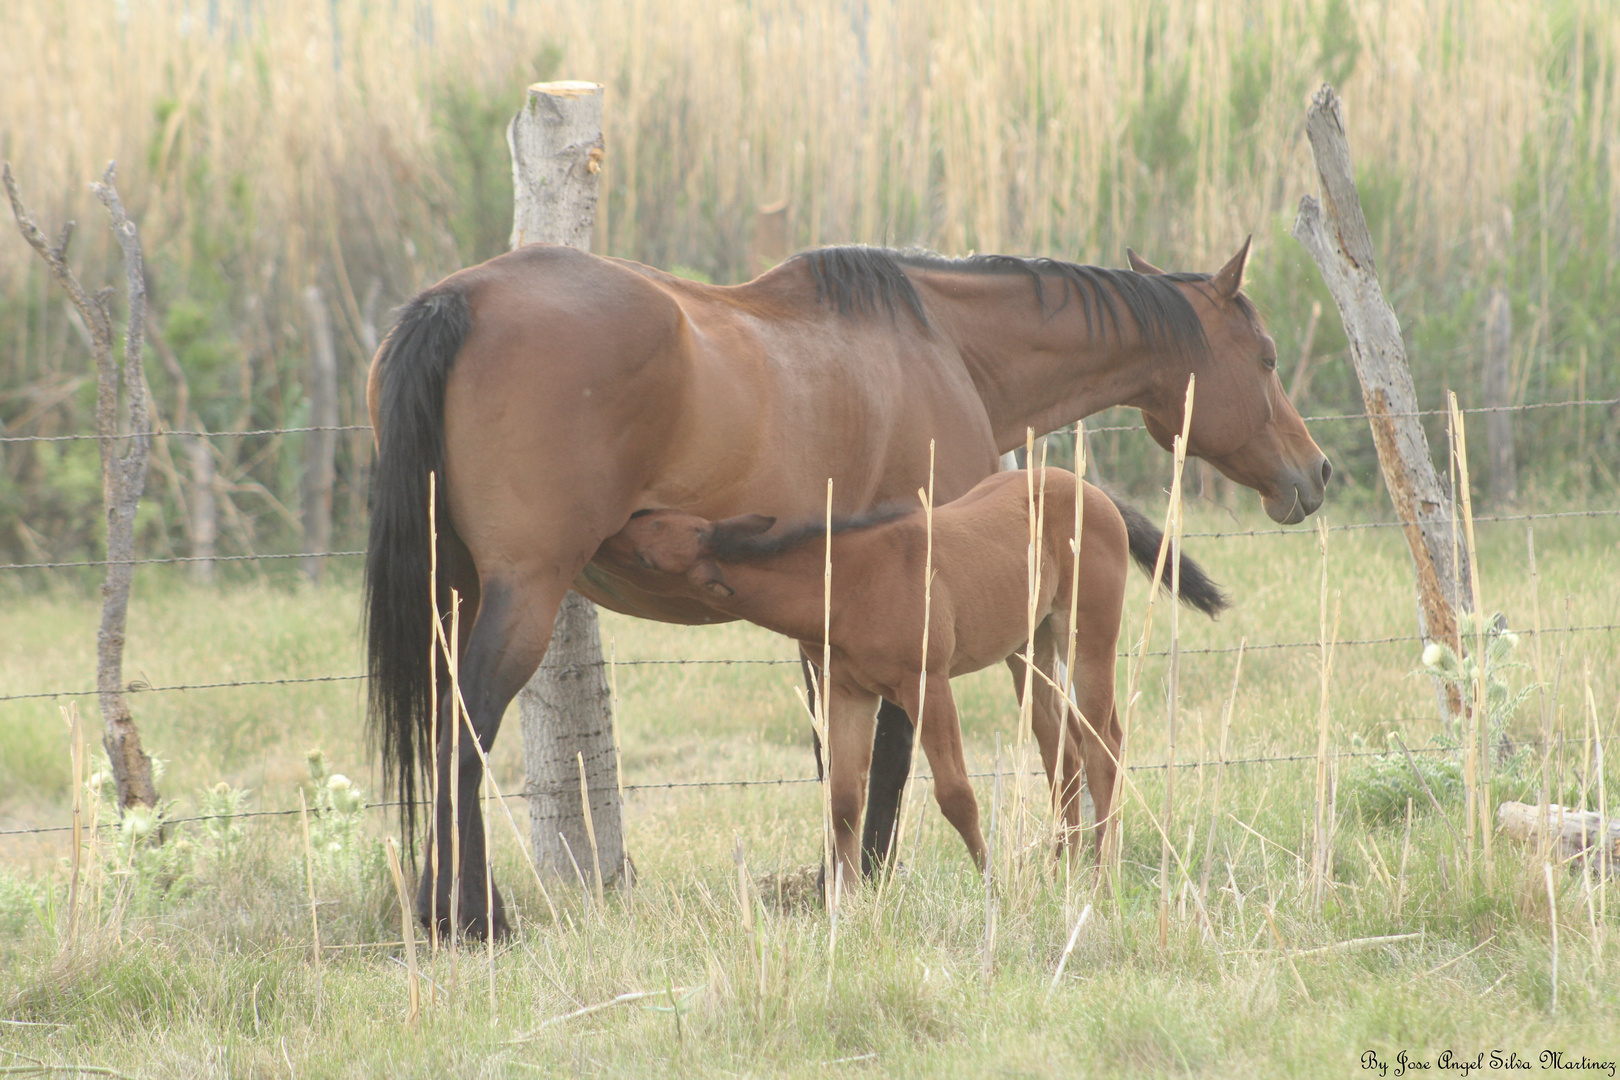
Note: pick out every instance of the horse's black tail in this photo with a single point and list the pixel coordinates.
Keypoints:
(1197, 590)
(415, 365)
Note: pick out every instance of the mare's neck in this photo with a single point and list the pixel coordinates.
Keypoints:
(1036, 368)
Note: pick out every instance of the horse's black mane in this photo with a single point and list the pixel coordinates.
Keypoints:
(750, 548)
(866, 280)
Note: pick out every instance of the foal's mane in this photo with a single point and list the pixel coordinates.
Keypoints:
(728, 548)
(861, 280)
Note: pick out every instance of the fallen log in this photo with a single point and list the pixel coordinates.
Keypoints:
(1576, 832)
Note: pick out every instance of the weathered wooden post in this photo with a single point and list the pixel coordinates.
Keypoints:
(1335, 233)
(320, 443)
(566, 709)
(1498, 396)
(123, 467)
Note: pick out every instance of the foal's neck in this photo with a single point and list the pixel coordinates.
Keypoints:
(1038, 365)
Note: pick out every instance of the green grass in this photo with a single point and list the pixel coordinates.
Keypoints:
(214, 975)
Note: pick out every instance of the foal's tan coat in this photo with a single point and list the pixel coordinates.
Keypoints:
(978, 616)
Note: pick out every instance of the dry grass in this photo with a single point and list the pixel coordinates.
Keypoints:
(307, 131)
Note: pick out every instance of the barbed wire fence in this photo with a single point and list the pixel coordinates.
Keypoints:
(140, 687)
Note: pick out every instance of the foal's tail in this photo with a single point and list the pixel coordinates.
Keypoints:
(1197, 590)
(415, 365)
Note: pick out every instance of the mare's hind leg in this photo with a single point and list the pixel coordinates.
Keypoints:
(507, 639)
(942, 741)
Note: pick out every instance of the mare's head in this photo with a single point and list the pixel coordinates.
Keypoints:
(669, 553)
(1243, 423)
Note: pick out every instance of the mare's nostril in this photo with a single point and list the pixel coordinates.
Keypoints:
(1327, 471)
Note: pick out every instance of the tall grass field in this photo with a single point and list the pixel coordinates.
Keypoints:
(198, 958)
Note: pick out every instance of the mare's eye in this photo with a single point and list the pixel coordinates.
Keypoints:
(646, 563)
(1269, 363)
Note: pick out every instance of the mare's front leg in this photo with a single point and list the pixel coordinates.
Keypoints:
(941, 739)
(507, 640)
(851, 717)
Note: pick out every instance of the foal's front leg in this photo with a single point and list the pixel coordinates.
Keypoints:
(851, 718)
(941, 740)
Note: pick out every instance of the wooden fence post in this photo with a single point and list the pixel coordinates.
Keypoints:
(566, 709)
(1335, 233)
(123, 467)
(1498, 395)
(320, 446)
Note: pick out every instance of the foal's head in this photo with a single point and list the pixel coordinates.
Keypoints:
(670, 553)
(1243, 423)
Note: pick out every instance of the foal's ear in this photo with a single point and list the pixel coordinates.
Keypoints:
(741, 528)
(1139, 264)
(706, 575)
(1229, 279)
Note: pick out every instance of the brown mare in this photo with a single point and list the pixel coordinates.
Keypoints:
(978, 615)
(556, 393)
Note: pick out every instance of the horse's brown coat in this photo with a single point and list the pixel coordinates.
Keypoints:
(978, 616)
(582, 389)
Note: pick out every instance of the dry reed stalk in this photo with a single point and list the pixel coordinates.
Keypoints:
(1059, 810)
(987, 959)
(1552, 923)
(1074, 936)
(1538, 851)
(1481, 724)
(910, 804)
(1322, 844)
(1026, 709)
(832, 923)
(309, 876)
(407, 931)
(489, 911)
(70, 714)
(627, 876)
(590, 831)
(1220, 768)
(1181, 863)
(1172, 693)
(1114, 838)
(833, 879)
(434, 645)
(1406, 848)
(1605, 851)
(458, 714)
(1270, 912)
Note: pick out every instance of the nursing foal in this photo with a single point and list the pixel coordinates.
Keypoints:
(978, 615)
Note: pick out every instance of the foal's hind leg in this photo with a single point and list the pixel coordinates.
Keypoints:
(508, 637)
(1047, 716)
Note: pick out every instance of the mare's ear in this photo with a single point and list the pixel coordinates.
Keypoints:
(742, 527)
(1229, 279)
(706, 575)
(1139, 264)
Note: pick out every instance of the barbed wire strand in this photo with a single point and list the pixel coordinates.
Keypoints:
(1218, 534)
(677, 785)
(260, 432)
(1215, 650)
